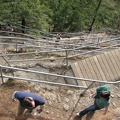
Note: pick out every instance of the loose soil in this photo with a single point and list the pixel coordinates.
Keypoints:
(54, 110)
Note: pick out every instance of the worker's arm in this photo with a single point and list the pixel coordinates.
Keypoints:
(40, 109)
(93, 95)
(105, 111)
(13, 96)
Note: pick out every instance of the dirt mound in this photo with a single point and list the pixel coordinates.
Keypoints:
(60, 101)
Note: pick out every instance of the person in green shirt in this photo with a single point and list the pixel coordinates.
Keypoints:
(102, 100)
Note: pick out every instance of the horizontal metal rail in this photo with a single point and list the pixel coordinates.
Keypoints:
(63, 50)
(94, 51)
(68, 57)
(56, 75)
(42, 40)
(16, 33)
(46, 41)
(78, 47)
(45, 82)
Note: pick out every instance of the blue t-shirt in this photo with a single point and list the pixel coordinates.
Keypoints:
(22, 95)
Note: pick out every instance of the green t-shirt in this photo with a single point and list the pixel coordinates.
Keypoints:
(102, 103)
(101, 89)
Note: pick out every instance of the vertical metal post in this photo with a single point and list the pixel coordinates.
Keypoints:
(16, 46)
(81, 95)
(86, 89)
(66, 57)
(8, 64)
(1, 75)
(98, 41)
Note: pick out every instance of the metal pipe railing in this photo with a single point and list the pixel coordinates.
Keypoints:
(68, 57)
(46, 41)
(62, 76)
(63, 50)
(45, 82)
(1, 75)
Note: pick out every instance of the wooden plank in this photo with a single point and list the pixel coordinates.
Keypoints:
(116, 69)
(94, 68)
(76, 73)
(116, 56)
(81, 69)
(85, 64)
(96, 71)
(111, 66)
(80, 82)
(100, 69)
(102, 64)
(91, 70)
(107, 67)
(117, 53)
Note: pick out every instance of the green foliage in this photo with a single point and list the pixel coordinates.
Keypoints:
(108, 16)
(62, 15)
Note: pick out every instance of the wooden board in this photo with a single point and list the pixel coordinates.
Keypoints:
(103, 77)
(110, 66)
(117, 69)
(104, 67)
(77, 73)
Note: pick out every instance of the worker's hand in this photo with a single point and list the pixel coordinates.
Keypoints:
(91, 96)
(39, 110)
(14, 100)
(104, 113)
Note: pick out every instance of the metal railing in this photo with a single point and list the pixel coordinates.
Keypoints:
(66, 52)
(50, 47)
(49, 74)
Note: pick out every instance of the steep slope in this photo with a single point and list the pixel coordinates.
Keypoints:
(60, 101)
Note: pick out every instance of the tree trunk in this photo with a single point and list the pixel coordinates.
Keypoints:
(23, 25)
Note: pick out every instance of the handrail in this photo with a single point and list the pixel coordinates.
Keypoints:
(58, 58)
(17, 33)
(46, 41)
(63, 50)
(56, 75)
(45, 82)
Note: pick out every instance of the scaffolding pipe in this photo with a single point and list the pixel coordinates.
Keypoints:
(58, 58)
(63, 50)
(46, 41)
(62, 76)
(1, 75)
(45, 82)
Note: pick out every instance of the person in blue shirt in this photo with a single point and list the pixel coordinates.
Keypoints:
(102, 100)
(27, 102)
